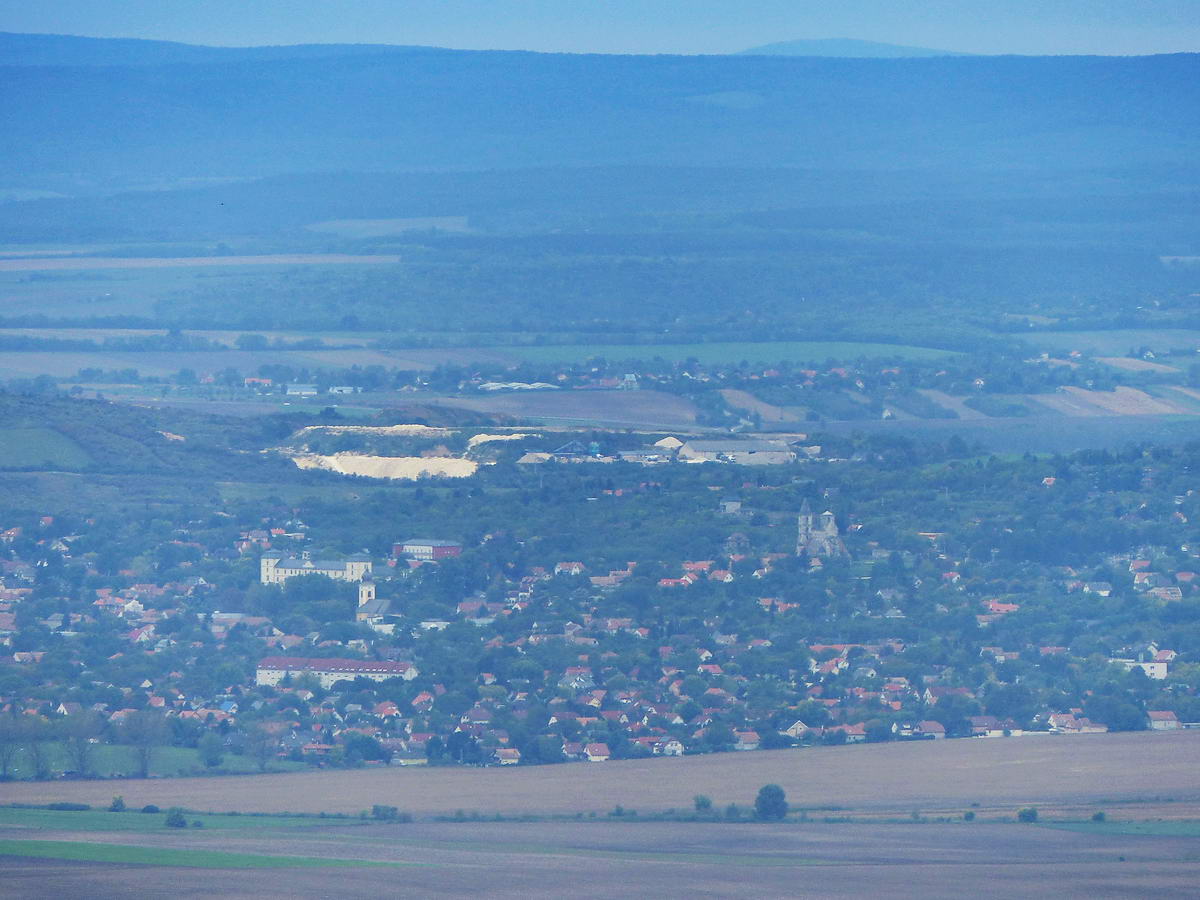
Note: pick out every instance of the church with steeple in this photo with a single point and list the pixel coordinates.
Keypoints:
(818, 536)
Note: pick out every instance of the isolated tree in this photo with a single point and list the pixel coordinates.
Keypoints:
(211, 749)
(35, 740)
(261, 746)
(145, 732)
(771, 804)
(11, 738)
(81, 733)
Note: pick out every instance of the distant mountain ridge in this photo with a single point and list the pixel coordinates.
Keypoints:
(17, 49)
(845, 48)
(268, 111)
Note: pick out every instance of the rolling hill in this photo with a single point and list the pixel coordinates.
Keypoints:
(446, 110)
(844, 47)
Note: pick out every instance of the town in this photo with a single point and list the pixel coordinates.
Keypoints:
(817, 607)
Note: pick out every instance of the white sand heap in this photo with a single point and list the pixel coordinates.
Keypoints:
(415, 430)
(392, 467)
(488, 438)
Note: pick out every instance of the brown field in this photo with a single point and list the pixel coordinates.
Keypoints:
(1135, 365)
(941, 398)
(612, 408)
(747, 402)
(59, 263)
(1045, 770)
(1065, 404)
(1126, 401)
(606, 859)
(1187, 391)
(363, 228)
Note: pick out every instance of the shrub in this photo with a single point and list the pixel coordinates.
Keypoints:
(384, 813)
(176, 818)
(968, 816)
(702, 803)
(118, 804)
(1027, 814)
(150, 808)
(68, 807)
(1098, 816)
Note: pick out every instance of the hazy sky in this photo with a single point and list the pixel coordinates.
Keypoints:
(639, 26)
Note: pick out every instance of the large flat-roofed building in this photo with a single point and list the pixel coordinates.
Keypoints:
(427, 548)
(273, 669)
(275, 568)
(744, 453)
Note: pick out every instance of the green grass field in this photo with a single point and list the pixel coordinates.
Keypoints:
(1173, 828)
(116, 760)
(22, 448)
(136, 821)
(769, 352)
(161, 856)
(1115, 343)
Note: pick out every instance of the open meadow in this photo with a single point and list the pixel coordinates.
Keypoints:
(1082, 770)
(1115, 342)
(609, 408)
(600, 859)
(916, 820)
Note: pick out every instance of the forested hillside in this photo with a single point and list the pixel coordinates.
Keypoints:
(452, 110)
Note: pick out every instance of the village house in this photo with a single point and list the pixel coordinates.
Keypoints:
(1163, 720)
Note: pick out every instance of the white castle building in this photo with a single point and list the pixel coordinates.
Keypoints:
(275, 568)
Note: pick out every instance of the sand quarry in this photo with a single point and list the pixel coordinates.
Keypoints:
(397, 468)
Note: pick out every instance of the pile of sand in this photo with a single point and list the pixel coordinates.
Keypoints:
(487, 438)
(416, 430)
(394, 467)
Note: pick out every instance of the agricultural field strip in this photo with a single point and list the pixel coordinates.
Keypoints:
(36, 264)
(1114, 343)
(320, 849)
(1044, 770)
(941, 398)
(130, 854)
(691, 844)
(1127, 401)
(1129, 364)
(731, 352)
(130, 821)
